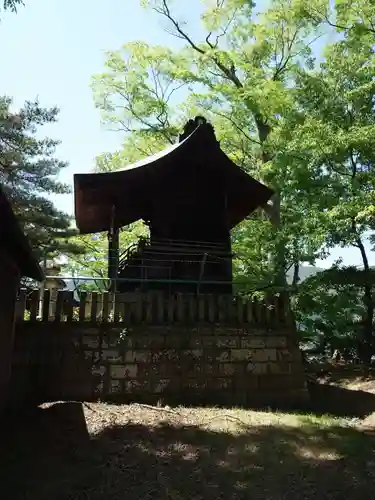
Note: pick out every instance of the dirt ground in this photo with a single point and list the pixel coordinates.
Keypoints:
(70, 450)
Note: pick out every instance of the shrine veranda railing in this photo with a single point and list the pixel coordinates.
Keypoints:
(64, 306)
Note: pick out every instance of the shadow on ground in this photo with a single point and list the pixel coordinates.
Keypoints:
(50, 455)
(340, 402)
(324, 399)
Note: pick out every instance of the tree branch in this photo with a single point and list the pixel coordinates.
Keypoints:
(229, 118)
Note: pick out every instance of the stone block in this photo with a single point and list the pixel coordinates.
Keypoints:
(136, 386)
(197, 368)
(115, 387)
(209, 341)
(157, 356)
(124, 371)
(209, 368)
(230, 342)
(209, 355)
(223, 355)
(263, 355)
(161, 385)
(253, 343)
(75, 343)
(90, 341)
(241, 354)
(225, 331)
(160, 369)
(222, 383)
(170, 355)
(196, 354)
(150, 342)
(277, 342)
(112, 340)
(257, 368)
(204, 330)
(127, 343)
(154, 330)
(129, 356)
(253, 332)
(227, 369)
(98, 389)
(193, 383)
(142, 356)
(177, 341)
(195, 342)
(150, 370)
(98, 370)
(176, 369)
(111, 355)
(137, 356)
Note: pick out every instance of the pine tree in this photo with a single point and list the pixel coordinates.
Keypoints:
(11, 5)
(28, 171)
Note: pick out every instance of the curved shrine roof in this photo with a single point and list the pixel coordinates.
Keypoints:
(132, 188)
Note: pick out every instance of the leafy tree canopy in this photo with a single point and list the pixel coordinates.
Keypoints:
(28, 175)
(290, 93)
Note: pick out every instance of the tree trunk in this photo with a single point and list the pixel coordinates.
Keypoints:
(295, 275)
(367, 344)
(279, 259)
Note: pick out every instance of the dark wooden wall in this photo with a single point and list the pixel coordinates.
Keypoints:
(9, 283)
(190, 206)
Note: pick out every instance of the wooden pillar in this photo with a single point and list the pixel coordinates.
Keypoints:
(9, 284)
(229, 264)
(113, 250)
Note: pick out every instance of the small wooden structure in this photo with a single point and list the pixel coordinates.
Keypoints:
(16, 261)
(191, 195)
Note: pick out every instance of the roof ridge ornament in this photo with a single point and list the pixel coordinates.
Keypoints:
(192, 124)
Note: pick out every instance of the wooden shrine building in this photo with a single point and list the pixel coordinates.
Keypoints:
(191, 195)
(16, 261)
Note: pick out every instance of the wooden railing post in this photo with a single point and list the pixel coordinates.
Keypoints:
(201, 308)
(46, 305)
(239, 310)
(69, 299)
(170, 309)
(59, 306)
(34, 304)
(160, 307)
(180, 307)
(193, 308)
(155, 308)
(21, 305)
(212, 308)
(105, 308)
(94, 307)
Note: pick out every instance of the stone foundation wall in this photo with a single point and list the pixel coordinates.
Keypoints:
(208, 364)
